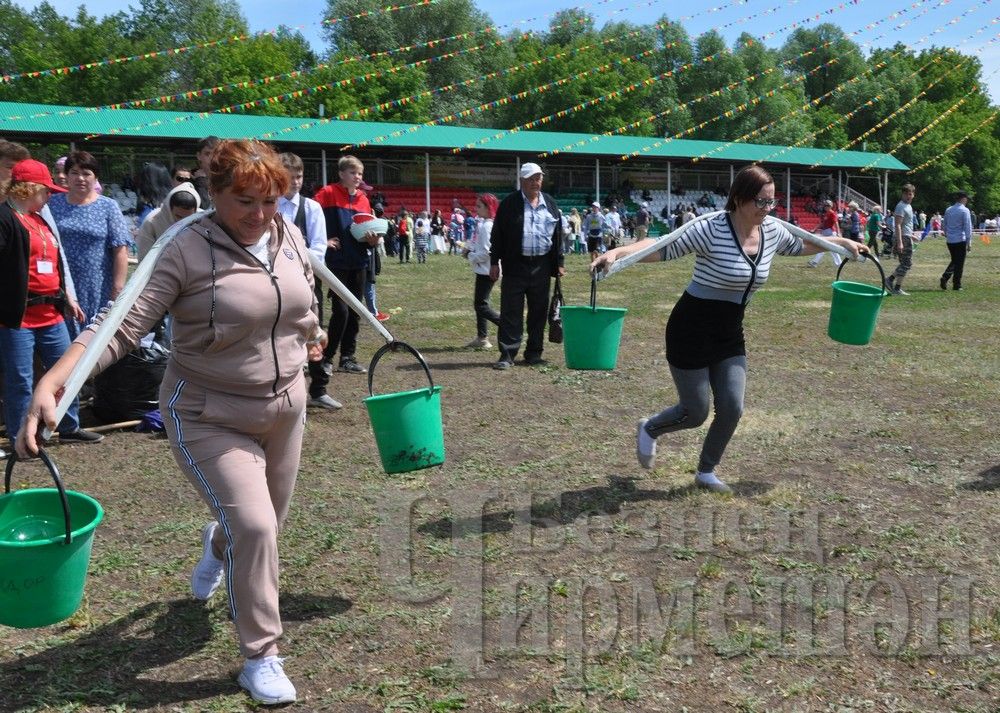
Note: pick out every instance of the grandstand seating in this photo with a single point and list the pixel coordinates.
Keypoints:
(413, 198)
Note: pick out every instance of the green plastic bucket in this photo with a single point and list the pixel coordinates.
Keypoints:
(45, 541)
(854, 309)
(407, 424)
(591, 335)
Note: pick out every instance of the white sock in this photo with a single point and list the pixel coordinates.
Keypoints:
(647, 444)
(709, 478)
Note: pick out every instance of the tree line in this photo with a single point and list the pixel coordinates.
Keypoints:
(813, 63)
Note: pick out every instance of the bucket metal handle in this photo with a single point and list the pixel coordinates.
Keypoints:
(395, 346)
(878, 264)
(54, 472)
(593, 293)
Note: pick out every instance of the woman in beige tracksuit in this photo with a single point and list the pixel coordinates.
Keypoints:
(240, 290)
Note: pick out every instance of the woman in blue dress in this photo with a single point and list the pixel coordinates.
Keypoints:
(95, 237)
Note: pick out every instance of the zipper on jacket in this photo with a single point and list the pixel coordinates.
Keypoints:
(277, 316)
(274, 329)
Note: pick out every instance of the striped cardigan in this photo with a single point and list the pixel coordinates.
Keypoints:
(722, 271)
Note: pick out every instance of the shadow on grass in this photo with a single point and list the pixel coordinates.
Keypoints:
(447, 366)
(304, 607)
(567, 508)
(115, 663)
(989, 480)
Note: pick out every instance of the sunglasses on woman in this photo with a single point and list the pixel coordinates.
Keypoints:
(765, 203)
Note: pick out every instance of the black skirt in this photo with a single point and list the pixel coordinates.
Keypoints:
(703, 332)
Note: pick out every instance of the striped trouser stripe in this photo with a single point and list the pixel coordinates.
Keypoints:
(220, 513)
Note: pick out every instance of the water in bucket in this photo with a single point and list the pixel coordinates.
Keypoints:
(31, 528)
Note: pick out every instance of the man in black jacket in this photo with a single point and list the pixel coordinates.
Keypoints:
(526, 240)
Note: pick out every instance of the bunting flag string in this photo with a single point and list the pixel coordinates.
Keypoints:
(649, 119)
(209, 91)
(70, 69)
(402, 101)
(509, 70)
(817, 100)
(374, 75)
(746, 105)
(870, 102)
(885, 121)
(937, 120)
(636, 85)
(298, 93)
(992, 117)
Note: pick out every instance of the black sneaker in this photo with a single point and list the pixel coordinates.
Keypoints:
(81, 436)
(944, 283)
(535, 361)
(351, 367)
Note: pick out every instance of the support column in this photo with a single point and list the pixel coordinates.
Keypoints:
(788, 193)
(732, 175)
(597, 180)
(885, 195)
(427, 182)
(670, 191)
(517, 172)
(322, 153)
(840, 196)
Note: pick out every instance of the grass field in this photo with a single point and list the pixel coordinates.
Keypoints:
(855, 568)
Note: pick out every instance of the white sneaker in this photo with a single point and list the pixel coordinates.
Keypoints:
(711, 482)
(265, 680)
(645, 445)
(326, 401)
(207, 574)
(479, 343)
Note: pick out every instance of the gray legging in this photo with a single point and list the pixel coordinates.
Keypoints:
(727, 380)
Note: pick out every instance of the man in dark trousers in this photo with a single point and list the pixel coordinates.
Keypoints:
(347, 259)
(525, 241)
(957, 226)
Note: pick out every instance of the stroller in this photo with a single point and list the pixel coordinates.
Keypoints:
(887, 240)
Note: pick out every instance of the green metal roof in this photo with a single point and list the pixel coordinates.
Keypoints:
(136, 124)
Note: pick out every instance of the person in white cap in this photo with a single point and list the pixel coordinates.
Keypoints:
(527, 239)
(642, 217)
(593, 229)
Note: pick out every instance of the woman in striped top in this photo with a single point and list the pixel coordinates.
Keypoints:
(705, 346)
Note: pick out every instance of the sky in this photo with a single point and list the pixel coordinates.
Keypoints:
(758, 17)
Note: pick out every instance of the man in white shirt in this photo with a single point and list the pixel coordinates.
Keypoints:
(307, 215)
(613, 225)
(958, 235)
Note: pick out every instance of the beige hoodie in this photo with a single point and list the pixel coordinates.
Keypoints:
(242, 331)
(159, 219)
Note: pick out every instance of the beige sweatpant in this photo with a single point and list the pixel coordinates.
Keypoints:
(242, 454)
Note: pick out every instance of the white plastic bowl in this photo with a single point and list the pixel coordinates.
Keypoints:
(370, 224)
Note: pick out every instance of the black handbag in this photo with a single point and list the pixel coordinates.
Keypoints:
(555, 314)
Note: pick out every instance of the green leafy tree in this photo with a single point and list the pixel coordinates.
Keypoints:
(715, 68)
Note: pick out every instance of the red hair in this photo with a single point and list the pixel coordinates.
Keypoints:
(490, 201)
(245, 163)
